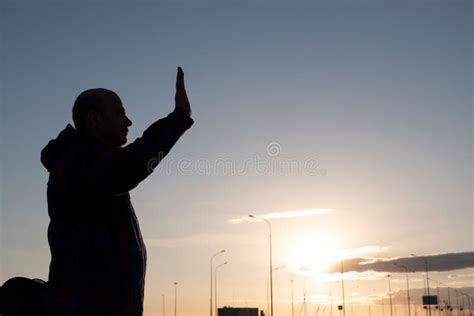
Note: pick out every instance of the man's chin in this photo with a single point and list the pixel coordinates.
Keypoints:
(121, 142)
(124, 141)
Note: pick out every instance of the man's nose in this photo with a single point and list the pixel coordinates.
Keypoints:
(128, 121)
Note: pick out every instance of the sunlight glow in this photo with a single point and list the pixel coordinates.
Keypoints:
(311, 257)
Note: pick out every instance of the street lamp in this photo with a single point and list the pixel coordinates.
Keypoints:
(292, 300)
(457, 301)
(163, 296)
(212, 258)
(342, 284)
(274, 270)
(271, 265)
(215, 285)
(438, 303)
(408, 287)
(267, 283)
(390, 294)
(175, 299)
(428, 312)
(449, 303)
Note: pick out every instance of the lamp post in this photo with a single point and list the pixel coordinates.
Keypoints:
(390, 294)
(369, 300)
(342, 284)
(428, 312)
(457, 302)
(439, 305)
(163, 297)
(268, 296)
(271, 264)
(292, 300)
(383, 307)
(215, 285)
(449, 303)
(212, 258)
(408, 287)
(175, 298)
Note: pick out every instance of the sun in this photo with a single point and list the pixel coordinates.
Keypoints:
(311, 257)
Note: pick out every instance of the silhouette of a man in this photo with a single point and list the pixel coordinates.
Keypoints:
(98, 258)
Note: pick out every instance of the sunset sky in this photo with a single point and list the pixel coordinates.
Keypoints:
(346, 124)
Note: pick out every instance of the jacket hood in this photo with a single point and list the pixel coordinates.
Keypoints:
(56, 147)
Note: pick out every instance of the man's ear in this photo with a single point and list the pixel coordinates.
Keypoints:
(94, 118)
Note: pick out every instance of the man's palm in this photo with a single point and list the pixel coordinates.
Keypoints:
(181, 98)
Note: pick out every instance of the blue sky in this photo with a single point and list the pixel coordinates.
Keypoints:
(377, 94)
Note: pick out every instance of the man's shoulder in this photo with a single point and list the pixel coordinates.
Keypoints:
(79, 154)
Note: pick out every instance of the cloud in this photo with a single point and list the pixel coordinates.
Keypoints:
(323, 255)
(461, 275)
(283, 214)
(353, 276)
(365, 250)
(458, 283)
(439, 262)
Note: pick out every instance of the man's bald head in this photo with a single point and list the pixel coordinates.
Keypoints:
(99, 113)
(91, 100)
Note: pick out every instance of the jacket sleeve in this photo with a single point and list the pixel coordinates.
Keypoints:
(122, 170)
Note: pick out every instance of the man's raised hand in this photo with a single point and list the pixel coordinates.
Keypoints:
(181, 98)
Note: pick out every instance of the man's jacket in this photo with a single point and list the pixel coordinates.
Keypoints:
(98, 258)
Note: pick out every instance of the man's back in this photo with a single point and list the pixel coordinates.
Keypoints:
(98, 256)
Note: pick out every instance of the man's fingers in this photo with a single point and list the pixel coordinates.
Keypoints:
(180, 79)
(180, 98)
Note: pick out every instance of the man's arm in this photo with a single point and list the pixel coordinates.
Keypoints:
(122, 170)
